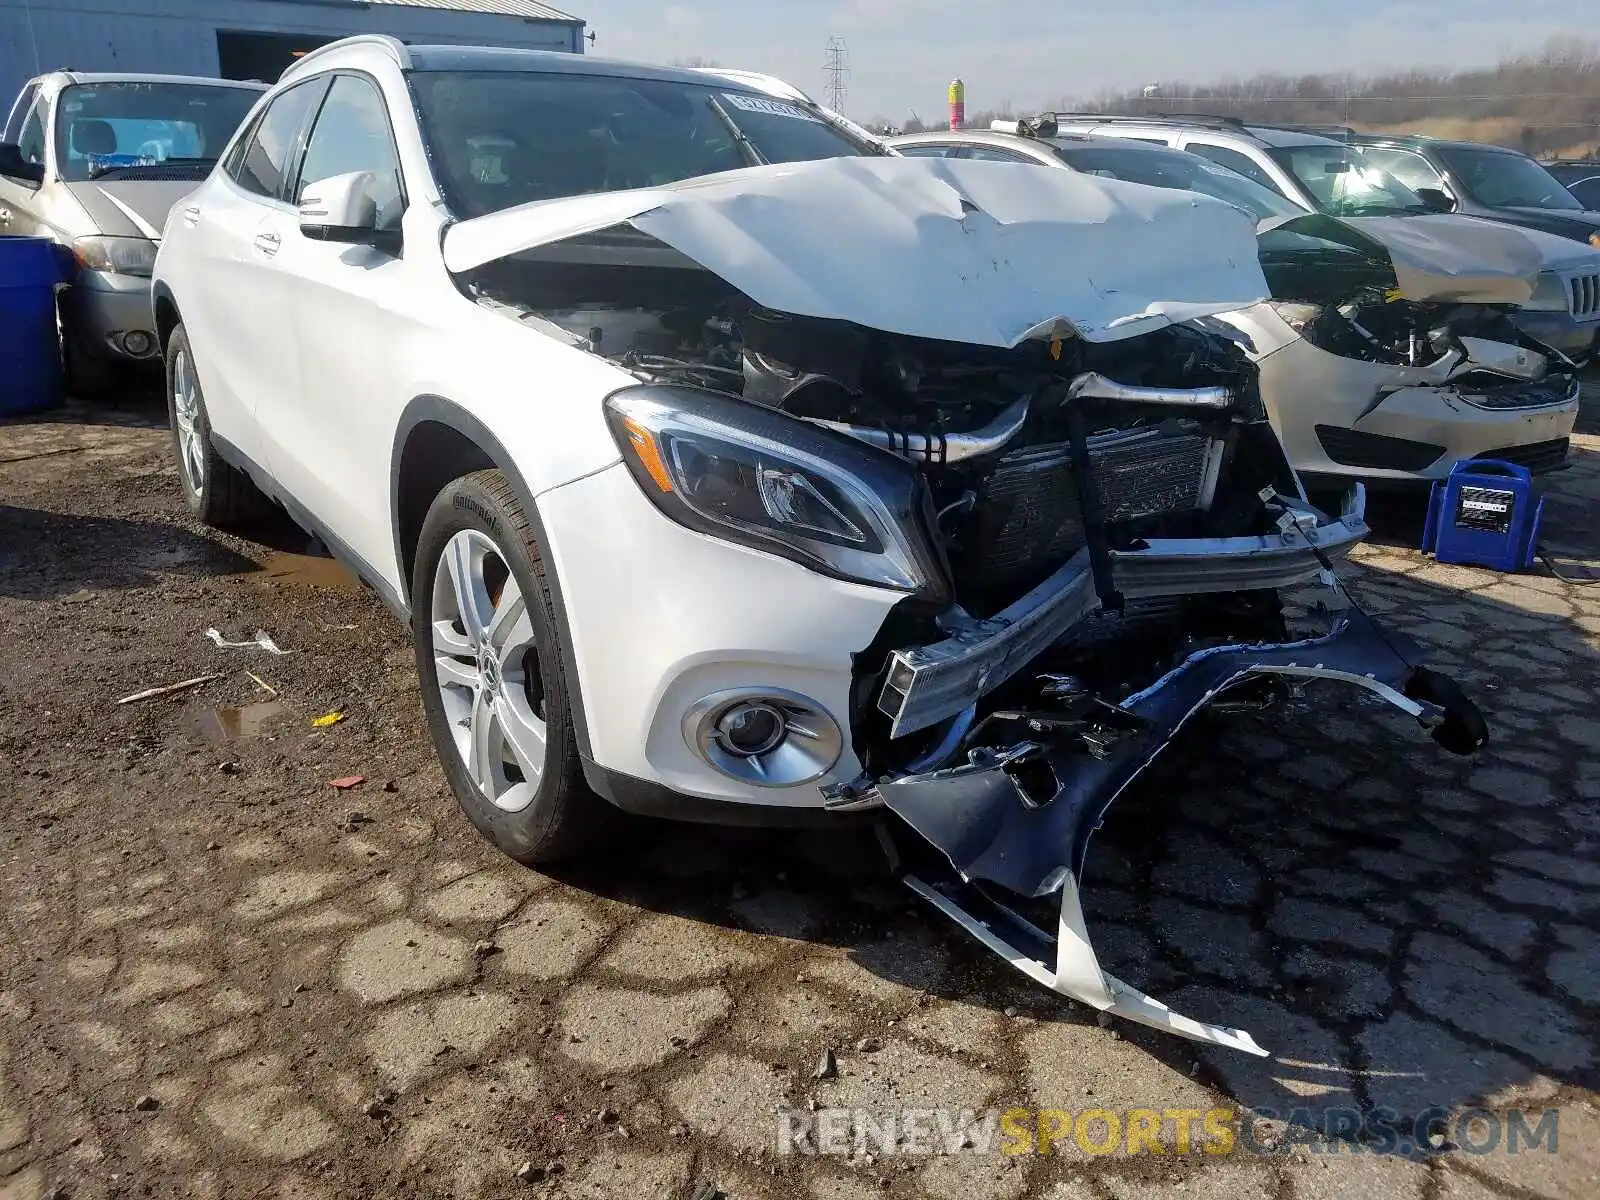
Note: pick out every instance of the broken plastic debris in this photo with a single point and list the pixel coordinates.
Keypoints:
(348, 782)
(328, 718)
(261, 640)
(169, 689)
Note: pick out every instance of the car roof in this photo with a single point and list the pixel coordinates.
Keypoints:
(994, 137)
(555, 62)
(1420, 140)
(1266, 135)
(254, 85)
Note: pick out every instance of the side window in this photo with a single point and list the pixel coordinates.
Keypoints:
(31, 139)
(269, 154)
(19, 113)
(352, 133)
(926, 151)
(1234, 160)
(1410, 169)
(993, 154)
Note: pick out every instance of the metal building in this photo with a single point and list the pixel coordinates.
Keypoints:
(248, 39)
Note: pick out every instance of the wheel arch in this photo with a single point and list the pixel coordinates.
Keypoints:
(168, 317)
(437, 441)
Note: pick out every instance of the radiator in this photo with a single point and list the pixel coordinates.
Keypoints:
(1027, 517)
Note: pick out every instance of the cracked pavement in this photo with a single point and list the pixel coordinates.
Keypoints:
(222, 977)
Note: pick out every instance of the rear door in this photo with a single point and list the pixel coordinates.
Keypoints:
(228, 280)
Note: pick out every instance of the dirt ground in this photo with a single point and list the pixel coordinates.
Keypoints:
(221, 976)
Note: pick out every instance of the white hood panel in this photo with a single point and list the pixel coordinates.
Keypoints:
(977, 252)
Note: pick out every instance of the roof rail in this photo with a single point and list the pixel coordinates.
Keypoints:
(396, 48)
(1325, 129)
(1212, 119)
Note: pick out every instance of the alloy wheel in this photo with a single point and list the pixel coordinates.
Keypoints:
(186, 416)
(487, 667)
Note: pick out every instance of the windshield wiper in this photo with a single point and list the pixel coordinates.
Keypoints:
(108, 168)
(746, 146)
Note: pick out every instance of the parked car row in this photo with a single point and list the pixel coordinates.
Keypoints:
(729, 466)
(1391, 348)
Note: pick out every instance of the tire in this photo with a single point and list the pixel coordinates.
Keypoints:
(488, 705)
(218, 493)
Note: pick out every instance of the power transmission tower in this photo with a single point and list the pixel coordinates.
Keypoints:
(837, 68)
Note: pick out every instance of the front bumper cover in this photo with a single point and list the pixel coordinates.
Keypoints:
(982, 818)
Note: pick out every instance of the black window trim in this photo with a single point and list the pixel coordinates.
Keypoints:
(304, 141)
(298, 142)
(23, 107)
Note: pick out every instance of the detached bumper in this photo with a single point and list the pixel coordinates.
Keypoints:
(995, 827)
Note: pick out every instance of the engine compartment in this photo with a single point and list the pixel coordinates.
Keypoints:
(1032, 457)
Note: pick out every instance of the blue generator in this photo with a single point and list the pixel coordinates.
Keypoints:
(1486, 514)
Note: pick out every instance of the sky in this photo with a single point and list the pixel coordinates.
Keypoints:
(903, 53)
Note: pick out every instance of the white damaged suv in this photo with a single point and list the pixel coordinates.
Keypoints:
(730, 469)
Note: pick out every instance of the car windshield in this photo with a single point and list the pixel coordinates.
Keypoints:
(1500, 179)
(1345, 184)
(1184, 172)
(128, 126)
(499, 139)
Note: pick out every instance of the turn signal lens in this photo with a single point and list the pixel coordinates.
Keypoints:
(644, 445)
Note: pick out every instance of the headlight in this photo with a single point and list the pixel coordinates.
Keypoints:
(118, 255)
(1594, 239)
(751, 475)
(1549, 294)
(1295, 314)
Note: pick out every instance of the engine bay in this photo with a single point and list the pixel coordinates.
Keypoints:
(1033, 458)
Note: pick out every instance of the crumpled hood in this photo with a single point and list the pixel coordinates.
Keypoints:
(131, 207)
(982, 253)
(1441, 256)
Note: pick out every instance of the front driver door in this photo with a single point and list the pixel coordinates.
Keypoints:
(328, 440)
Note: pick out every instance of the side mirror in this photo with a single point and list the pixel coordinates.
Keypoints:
(1437, 201)
(341, 208)
(14, 166)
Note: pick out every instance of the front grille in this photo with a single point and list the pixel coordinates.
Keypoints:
(1585, 294)
(1374, 451)
(1552, 389)
(1028, 519)
(1536, 456)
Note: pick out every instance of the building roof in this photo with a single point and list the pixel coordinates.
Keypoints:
(528, 10)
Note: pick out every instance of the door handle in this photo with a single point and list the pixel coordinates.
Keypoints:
(268, 243)
(191, 215)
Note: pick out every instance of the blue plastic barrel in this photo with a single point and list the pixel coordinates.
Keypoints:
(30, 361)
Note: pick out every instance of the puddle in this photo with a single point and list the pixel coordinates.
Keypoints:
(310, 570)
(241, 724)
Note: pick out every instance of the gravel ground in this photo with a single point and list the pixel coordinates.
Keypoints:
(221, 976)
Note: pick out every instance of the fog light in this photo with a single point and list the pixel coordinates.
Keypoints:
(765, 737)
(750, 729)
(138, 343)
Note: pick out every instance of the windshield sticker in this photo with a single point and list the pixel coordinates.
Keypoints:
(771, 108)
(108, 162)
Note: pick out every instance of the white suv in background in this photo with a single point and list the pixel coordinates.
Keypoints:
(733, 469)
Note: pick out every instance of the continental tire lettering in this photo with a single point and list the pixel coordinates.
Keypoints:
(485, 515)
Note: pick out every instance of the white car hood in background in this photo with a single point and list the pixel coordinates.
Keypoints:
(1442, 256)
(977, 252)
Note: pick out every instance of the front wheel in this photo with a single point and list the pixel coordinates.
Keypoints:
(489, 663)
